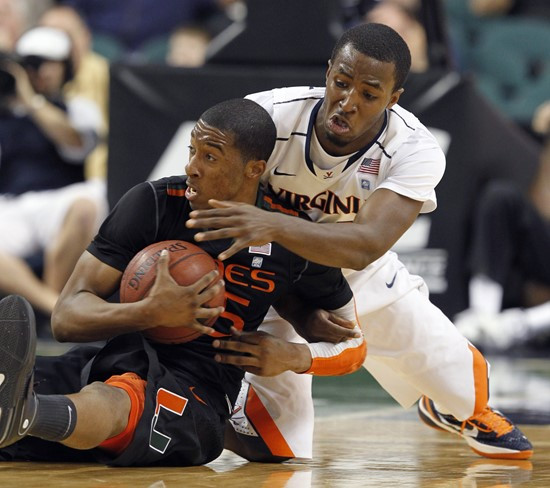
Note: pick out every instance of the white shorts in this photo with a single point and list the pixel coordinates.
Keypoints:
(412, 349)
(30, 222)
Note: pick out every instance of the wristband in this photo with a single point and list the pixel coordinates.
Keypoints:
(330, 359)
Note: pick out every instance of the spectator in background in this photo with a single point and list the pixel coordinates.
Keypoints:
(528, 8)
(503, 43)
(45, 204)
(401, 18)
(11, 23)
(510, 287)
(132, 24)
(187, 46)
(16, 16)
(357, 9)
(91, 77)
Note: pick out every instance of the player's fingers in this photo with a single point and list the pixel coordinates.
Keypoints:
(209, 219)
(235, 346)
(237, 246)
(196, 325)
(224, 203)
(342, 329)
(208, 294)
(208, 313)
(223, 210)
(348, 324)
(343, 333)
(163, 273)
(203, 329)
(254, 337)
(235, 333)
(332, 332)
(206, 280)
(237, 360)
(212, 235)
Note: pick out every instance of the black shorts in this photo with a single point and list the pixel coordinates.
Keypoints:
(183, 419)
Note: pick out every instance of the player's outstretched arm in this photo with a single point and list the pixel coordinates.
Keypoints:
(83, 312)
(381, 221)
(266, 355)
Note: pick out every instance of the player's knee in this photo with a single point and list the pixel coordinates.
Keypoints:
(82, 216)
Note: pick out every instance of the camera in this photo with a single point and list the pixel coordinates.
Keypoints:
(7, 80)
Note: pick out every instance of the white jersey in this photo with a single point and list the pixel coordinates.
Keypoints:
(405, 158)
(413, 349)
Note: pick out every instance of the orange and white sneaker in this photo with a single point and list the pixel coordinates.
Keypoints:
(488, 433)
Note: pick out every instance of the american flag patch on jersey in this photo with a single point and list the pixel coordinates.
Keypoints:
(370, 166)
(265, 249)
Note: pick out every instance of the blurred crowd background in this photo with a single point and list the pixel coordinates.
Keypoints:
(480, 80)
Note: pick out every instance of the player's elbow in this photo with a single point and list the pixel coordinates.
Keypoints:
(60, 331)
(359, 261)
(361, 258)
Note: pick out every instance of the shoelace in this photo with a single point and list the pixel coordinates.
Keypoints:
(492, 421)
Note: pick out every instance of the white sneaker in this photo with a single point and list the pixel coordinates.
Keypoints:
(497, 332)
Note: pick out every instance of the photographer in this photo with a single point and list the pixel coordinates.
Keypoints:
(46, 206)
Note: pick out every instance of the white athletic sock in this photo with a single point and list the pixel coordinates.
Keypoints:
(538, 318)
(485, 295)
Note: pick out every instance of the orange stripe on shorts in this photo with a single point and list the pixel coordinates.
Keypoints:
(265, 426)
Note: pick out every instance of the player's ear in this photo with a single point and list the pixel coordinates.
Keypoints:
(255, 168)
(395, 97)
(329, 66)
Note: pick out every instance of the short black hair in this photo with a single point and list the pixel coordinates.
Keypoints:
(380, 42)
(254, 130)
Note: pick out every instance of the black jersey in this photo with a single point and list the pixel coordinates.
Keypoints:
(184, 373)
(255, 278)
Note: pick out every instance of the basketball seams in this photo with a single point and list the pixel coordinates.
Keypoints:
(140, 275)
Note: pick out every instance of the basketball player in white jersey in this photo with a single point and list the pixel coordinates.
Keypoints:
(363, 168)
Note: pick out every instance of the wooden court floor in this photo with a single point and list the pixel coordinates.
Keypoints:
(388, 447)
(362, 439)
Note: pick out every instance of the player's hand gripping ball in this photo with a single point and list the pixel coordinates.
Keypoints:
(187, 263)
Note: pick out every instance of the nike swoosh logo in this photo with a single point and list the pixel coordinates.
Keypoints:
(197, 397)
(2, 378)
(390, 284)
(279, 173)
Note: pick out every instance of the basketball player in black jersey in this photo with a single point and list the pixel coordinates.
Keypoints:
(135, 402)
